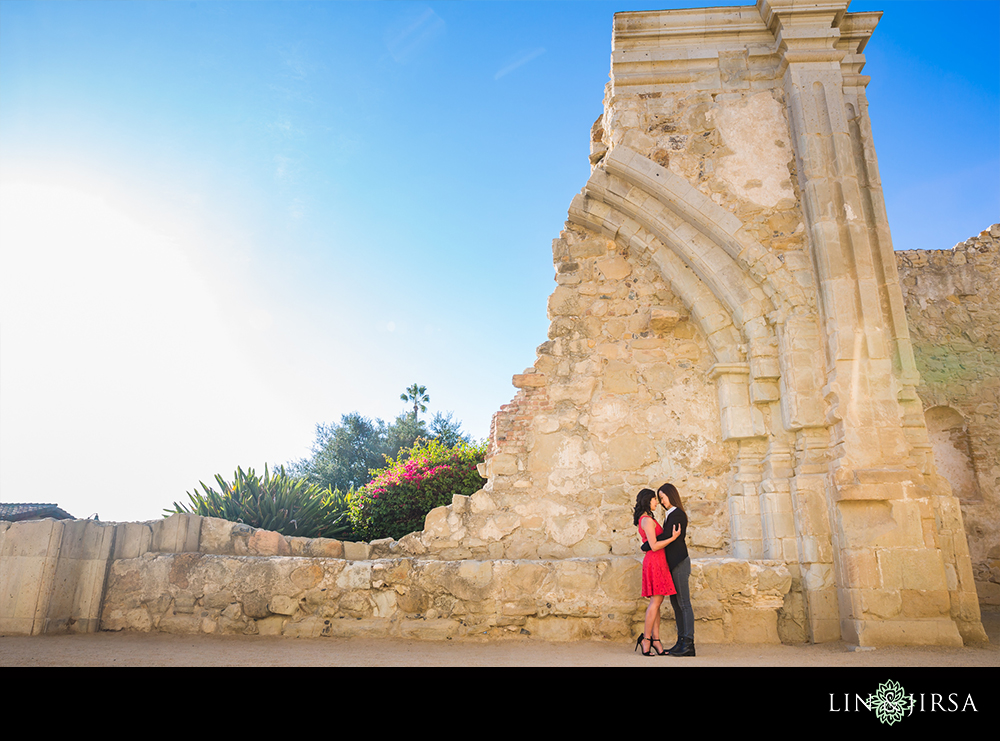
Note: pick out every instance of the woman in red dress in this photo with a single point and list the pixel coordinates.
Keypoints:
(656, 580)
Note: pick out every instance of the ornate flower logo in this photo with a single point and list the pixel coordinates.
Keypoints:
(890, 702)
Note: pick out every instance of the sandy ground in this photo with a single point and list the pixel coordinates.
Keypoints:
(146, 650)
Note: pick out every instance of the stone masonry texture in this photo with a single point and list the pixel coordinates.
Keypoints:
(953, 306)
(728, 315)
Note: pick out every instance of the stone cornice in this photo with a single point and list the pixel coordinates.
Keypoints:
(678, 47)
(654, 29)
(776, 13)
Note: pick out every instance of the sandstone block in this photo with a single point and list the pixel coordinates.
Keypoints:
(437, 629)
(564, 301)
(307, 577)
(577, 391)
(754, 626)
(586, 247)
(324, 548)
(529, 380)
(989, 592)
(555, 628)
(659, 376)
(629, 452)
(179, 624)
(481, 502)
(709, 630)
(663, 320)
(880, 603)
(132, 539)
(498, 526)
(345, 627)
(926, 632)
(567, 531)
(910, 568)
(590, 547)
(308, 627)
(923, 603)
(614, 267)
(356, 575)
(576, 577)
(622, 579)
(179, 533)
(267, 543)
(281, 604)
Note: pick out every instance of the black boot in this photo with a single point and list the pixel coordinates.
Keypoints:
(686, 648)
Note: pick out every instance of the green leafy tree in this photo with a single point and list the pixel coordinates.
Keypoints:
(403, 433)
(448, 431)
(343, 454)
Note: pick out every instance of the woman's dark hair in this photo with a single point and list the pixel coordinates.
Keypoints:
(671, 493)
(642, 500)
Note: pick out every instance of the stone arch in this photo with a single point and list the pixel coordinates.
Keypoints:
(722, 228)
(768, 353)
(725, 336)
(725, 339)
(764, 301)
(744, 300)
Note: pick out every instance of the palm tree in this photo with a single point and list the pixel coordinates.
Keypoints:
(417, 395)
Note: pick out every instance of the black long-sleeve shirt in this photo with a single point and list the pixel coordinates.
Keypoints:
(677, 551)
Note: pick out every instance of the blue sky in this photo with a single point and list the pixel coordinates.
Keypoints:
(223, 223)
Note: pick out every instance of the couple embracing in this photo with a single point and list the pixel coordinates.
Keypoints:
(666, 570)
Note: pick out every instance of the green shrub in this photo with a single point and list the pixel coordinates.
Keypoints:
(398, 498)
(279, 502)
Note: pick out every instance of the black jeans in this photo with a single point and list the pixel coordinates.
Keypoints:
(681, 602)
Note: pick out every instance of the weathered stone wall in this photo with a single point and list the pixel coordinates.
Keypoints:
(728, 316)
(953, 306)
(192, 575)
(566, 599)
(619, 397)
(52, 575)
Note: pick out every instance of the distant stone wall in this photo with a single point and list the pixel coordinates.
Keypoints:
(953, 306)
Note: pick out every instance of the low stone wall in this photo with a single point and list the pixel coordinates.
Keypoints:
(571, 599)
(187, 574)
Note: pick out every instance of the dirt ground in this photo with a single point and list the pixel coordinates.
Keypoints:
(157, 650)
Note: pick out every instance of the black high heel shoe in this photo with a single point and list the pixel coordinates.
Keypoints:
(661, 652)
(638, 644)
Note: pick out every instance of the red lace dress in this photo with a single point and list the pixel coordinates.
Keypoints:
(656, 577)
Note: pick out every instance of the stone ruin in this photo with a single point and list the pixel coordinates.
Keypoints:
(728, 316)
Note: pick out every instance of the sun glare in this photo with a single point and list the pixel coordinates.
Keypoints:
(113, 352)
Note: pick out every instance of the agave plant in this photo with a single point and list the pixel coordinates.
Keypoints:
(278, 502)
